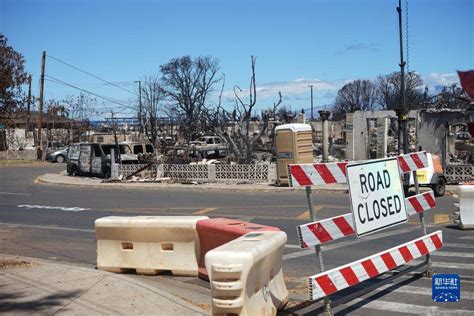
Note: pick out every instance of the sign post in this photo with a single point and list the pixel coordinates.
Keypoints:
(376, 193)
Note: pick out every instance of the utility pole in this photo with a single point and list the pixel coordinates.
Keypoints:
(403, 101)
(39, 153)
(28, 102)
(117, 148)
(312, 115)
(140, 107)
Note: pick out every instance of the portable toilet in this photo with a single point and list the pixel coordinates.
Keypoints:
(294, 144)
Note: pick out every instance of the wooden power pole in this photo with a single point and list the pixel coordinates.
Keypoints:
(39, 153)
(28, 113)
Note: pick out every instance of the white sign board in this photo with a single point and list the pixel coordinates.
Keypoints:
(377, 198)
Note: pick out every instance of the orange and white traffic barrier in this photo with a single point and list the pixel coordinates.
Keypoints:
(300, 175)
(326, 230)
(331, 281)
(246, 275)
(148, 244)
(215, 232)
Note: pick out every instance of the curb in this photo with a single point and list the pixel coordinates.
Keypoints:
(162, 186)
(77, 181)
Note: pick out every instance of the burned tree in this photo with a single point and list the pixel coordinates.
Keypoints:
(240, 139)
(186, 84)
(152, 95)
(389, 90)
(356, 95)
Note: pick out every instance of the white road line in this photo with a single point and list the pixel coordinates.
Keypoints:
(61, 208)
(467, 237)
(446, 265)
(47, 227)
(310, 251)
(443, 253)
(407, 308)
(456, 245)
(292, 246)
(13, 193)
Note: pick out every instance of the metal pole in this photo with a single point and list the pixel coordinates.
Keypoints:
(404, 111)
(312, 115)
(404, 119)
(429, 266)
(317, 248)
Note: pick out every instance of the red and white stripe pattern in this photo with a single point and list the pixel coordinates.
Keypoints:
(420, 203)
(301, 175)
(317, 173)
(329, 282)
(337, 227)
(325, 230)
(413, 161)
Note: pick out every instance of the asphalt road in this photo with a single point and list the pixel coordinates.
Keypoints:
(57, 222)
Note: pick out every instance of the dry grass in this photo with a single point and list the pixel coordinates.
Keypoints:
(15, 263)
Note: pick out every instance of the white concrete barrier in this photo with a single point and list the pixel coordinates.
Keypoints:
(246, 275)
(466, 207)
(148, 244)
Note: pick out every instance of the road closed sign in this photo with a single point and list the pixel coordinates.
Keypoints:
(377, 198)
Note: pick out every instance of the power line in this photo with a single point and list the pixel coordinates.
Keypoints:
(55, 80)
(89, 74)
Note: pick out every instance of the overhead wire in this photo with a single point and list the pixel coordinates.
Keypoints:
(92, 75)
(124, 106)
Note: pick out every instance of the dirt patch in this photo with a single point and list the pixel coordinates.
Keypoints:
(204, 307)
(15, 263)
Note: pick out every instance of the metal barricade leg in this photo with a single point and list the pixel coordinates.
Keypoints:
(429, 267)
(319, 252)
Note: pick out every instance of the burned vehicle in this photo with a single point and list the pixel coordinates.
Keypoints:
(94, 159)
(126, 154)
(88, 159)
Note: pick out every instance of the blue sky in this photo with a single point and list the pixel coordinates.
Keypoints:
(297, 43)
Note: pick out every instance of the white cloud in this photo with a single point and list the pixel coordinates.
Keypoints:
(437, 79)
(297, 89)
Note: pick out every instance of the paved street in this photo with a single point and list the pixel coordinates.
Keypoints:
(57, 222)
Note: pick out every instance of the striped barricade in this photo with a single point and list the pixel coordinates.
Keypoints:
(321, 231)
(246, 275)
(341, 226)
(337, 279)
(301, 175)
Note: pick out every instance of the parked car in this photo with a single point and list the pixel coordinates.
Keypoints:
(59, 155)
(88, 159)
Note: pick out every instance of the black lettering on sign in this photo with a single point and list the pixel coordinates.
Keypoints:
(367, 211)
(398, 204)
(363, 184)
(386, 178)
(389, 202)
(358, 211)
(377, 208)
(371, 181)
(384, 207)
(379, 181)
